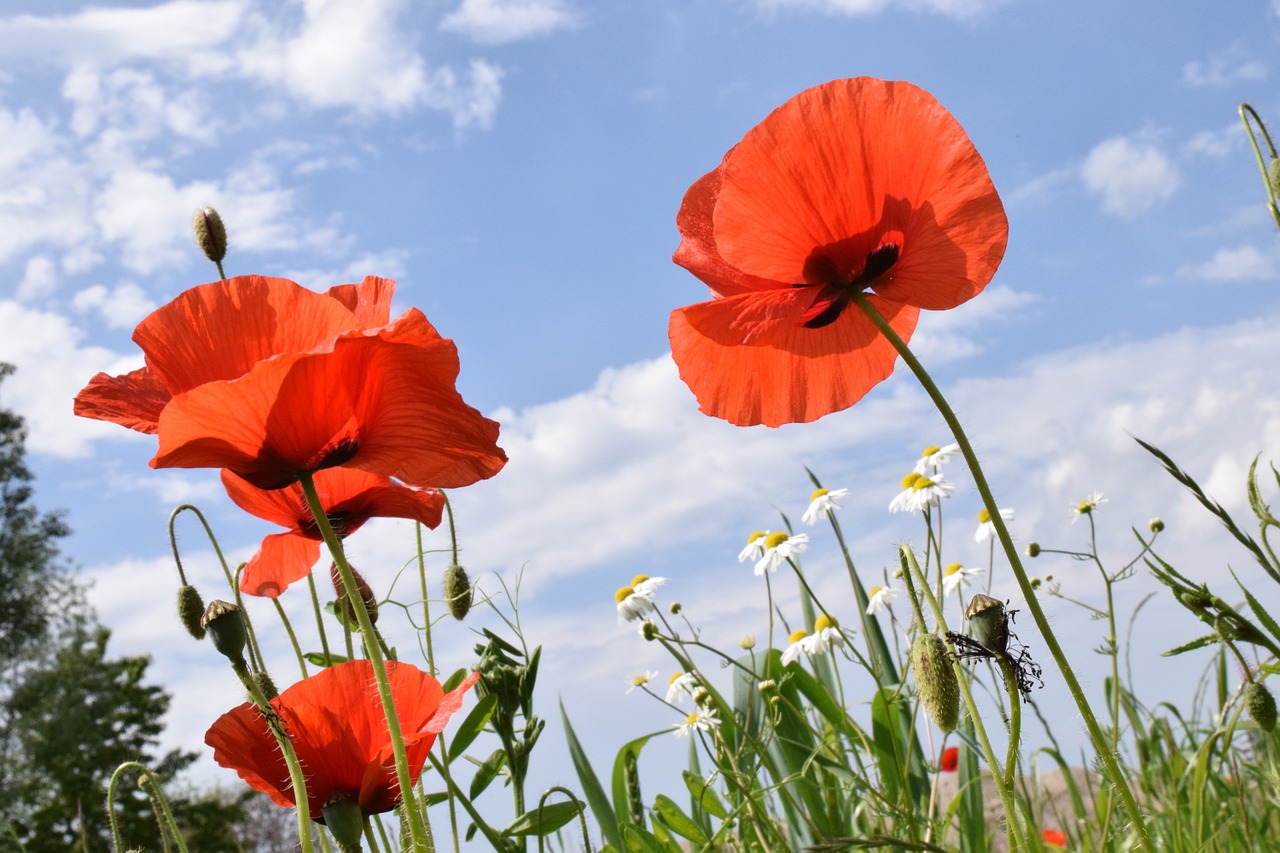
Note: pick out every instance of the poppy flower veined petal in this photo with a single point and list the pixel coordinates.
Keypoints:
(279, 506)
(237, 738)
(369, 301)
(134, 400)
(799, 377)
(697, 250)
(281, 559)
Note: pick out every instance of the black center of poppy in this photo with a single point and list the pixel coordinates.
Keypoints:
(836, 291)
(339, 454)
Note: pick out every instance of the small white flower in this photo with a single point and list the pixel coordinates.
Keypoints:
(1087, 506)
(934, 458)
(681, 684)
(880, 599)
(697, 721)
(822, 503)
(986, 527)
(632, 605)
(640, 679)
(798, 644)
(647, 586)
(919, 491)
(779, 547)
(826, 633)
(957, 576)
(755, 546)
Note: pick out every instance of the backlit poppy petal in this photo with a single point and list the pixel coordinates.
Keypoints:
(281, 559)
(697, 251)
(133, 400)
(369, 301)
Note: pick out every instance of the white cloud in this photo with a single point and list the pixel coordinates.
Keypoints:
(39, 278)
(949, 8)
(121, 307)
(943, 336)
(1041, 189)
(1223, 68)
(1245, 263)
(472, 101)
(1131, 175)
(1216, 143)
(504, 21)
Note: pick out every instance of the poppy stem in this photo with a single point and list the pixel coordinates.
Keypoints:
(1105, 753)
(417, 831)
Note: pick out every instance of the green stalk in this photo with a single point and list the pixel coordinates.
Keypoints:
(1107, 756)
(417, 831)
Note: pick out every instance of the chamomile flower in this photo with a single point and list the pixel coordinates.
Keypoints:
(986, 527)
(826, 633)
(935, 457)
(755, 546)
(1086, 506)
(701, 721)
(822, 503)
(645, 585)
(640, 679)
(779, 547)
(919, 491)
(681, 684)
(880, 599)
(957, 576)
(797, 645)
(632, 603)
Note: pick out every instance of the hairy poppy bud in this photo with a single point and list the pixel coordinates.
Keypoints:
(1261, 705)
(936, 680)
(457, 591)
(190, 609)
(225, 627)
(266, 685)
(345, 608)
(345, 821)
(211, 234)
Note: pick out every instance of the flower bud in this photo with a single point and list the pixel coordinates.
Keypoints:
(345, 608)
(266, 685)
(225, 627)
(988, 622)
(1261, 705)
(649, 630)
(190, 609)
(936, 680)
(1155, 525)
(457, 591)
(701, 696)
(675, 608)
(748, 642)
(1033, 550)
(211, 234)
(345, 821)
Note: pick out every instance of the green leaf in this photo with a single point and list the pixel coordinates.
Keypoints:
(544, 821)
(452, 682)
(681, 824)
(640, 840)
(1256, 503)
(591, 787)
(321, 659)
(485, 774)
(705, 795)
(886, 734)
(1258, 610)
(621, 800)
(472, 726)
(1197, 643)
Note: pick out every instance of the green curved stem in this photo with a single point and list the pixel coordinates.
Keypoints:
(293, 638)
(154, 791)
(1109, 760)
(417, 829)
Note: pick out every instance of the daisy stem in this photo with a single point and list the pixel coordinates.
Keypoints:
(293, 638)
(1105, 753)
(417, 831)
(315, 605)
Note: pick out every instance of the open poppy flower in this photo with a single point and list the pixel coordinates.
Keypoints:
(338, 730)
(350, 498)
(1054, 837)
(855, 186)
(950, 760)
(272, 381)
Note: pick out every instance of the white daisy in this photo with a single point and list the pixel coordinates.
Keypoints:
(880, 599)
(928, 491)
(779, 547)
(645, 585)
(697, 721)
(986, 527)
(632, 604)
(1087, 506)
(826, 633)
(755, 546)
(821, 503)
(935, 457)
(957, 576)
(797, 645)
(640, 679)
(681, 684)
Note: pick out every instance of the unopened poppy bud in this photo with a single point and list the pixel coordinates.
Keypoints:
(345, 822)
(1033, 550)
(266, 685)
(936, 680)
(1155, 525)
(988, 622)
(1261, 705)
(211, 234)
(457, 591)
(366, 593)
(225, 626)
(190, 609)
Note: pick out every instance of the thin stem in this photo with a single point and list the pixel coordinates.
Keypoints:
(1107, 756)
(315, 606)
(417, 830)
(293, 638)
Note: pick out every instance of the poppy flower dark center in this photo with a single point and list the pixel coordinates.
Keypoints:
(836, 288)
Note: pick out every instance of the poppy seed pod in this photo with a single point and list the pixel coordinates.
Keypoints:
(457, 591)
(345, 821)
(1261, 705)
(211, 234)
(225, 627)
(345, 608)
(936, 680)
(988, 622)
(190, 610)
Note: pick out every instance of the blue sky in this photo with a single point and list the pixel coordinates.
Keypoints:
(517, 166)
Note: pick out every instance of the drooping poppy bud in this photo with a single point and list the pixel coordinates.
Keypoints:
(936, 680)
(211, 234)
(457, 591)
(1261, 705)
(190, 610)
(225, 626)
(345, 608)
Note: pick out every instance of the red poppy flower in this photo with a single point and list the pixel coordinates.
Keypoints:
(350, 498)
(859, 185)
(271, 380)
(950, 760)
(1054, 837)
(339, 733)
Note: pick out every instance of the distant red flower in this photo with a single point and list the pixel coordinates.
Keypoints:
(950, 760)
(271, 380)
(350, 498)
(1054, 837)
(858, 185)
(339, 733)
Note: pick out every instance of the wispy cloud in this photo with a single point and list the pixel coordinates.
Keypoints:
(1243, 263)
(948, 8)
(505, 21)
(1131, 175)
(1223, 68)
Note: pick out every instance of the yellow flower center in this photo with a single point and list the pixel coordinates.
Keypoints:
(984, 516)
(623, 593)
(672, 679)
(775, 539)
(824, 621)
(929, 451)
(876, 590)
(691, 719)
(910, 480)
(817, 493)
(953, 568)
(754, 536)
(639, 579)
(921, 483)
(797, 636)
(640, 680)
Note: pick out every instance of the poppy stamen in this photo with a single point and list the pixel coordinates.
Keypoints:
(835, 296)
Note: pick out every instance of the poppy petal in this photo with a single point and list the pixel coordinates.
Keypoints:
(697, 251)
(281, 559)
(799, 376)
(133, 400)
(242, 742)
(369, 301)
